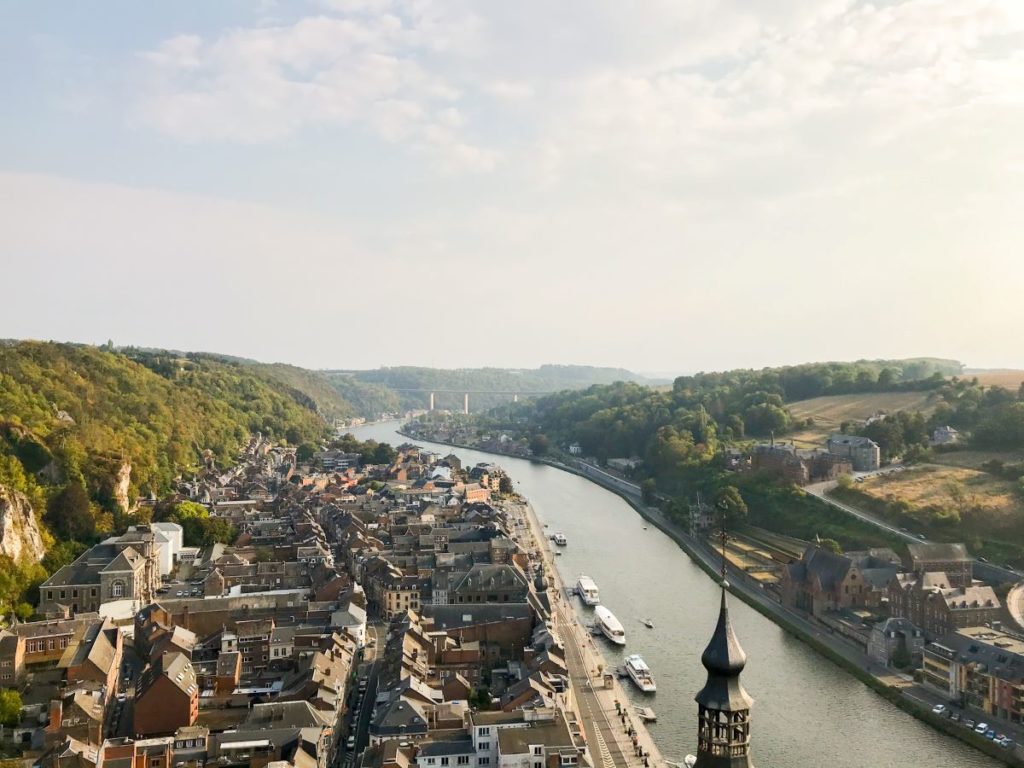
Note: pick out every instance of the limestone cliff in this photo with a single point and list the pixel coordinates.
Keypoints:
(19, 531)
(122, 482)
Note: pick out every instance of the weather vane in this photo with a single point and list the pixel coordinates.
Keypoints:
(724, 538)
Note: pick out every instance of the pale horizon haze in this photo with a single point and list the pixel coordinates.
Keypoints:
(666, 185)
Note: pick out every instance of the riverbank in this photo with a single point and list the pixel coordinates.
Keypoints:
(606, 707)
(842, 654)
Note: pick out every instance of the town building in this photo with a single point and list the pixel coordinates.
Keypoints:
(950, 559)
(930, 601)
(981, 667)
(862, 452)
(896, 641)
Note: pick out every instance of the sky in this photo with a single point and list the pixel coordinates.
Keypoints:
(661, 185)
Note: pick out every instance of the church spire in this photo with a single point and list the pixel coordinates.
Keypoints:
(723, 729)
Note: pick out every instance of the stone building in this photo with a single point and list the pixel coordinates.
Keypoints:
(862, 452)
(894, 638)
(950, 559)
(930, 601)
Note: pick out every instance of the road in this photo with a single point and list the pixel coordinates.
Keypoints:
(986, 571)
(356, 722)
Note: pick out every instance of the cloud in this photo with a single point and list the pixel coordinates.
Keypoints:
(262, 84)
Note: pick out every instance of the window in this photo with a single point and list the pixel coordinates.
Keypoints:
(484, 731)
(484, 745)
(538, 750)
(483, 761)
(463, 760)
(51, 644)
(444, 761)
(6, 663)
(117, 589)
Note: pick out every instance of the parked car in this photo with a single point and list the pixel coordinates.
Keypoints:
(180, 593)
(1006, 743)
(969, 724)
(921, 536)
(982, 559)
(954, 716)
(351, 742)
(990, 734)
(981, 727)
(938, 709)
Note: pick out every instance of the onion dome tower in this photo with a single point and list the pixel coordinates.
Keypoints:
(723, 729)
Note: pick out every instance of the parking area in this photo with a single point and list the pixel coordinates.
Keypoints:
(1007, 735)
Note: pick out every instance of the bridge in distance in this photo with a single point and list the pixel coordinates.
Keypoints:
(513, 393)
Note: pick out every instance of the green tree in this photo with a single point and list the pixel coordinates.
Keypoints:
(830, 545)
(304, 452)
(647, 491)
(69, 513)
(10, 707)
(505, 485)
(539, 444)
(730, 506)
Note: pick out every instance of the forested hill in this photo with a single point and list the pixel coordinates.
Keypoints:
(547, 378)
(76, 411)
(702, 410)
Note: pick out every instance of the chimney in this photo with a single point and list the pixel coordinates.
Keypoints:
(56, 714)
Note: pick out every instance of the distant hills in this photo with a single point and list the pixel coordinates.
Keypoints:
(410, 386)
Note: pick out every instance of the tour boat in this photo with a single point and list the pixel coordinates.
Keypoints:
(640, 673)
(559, 539)
(609, 625)
(587, 590)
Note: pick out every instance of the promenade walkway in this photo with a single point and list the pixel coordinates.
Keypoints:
(615, 735)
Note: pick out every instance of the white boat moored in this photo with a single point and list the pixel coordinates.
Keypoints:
(587, 590)
(610, 626)
(640, 673)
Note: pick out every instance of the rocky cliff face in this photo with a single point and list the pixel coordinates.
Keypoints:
(122, 482)
(19, 531)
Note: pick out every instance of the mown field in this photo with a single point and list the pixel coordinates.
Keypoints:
(1002, 377)
(831, 411)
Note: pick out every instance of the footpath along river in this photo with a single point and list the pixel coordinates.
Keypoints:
(807, 711)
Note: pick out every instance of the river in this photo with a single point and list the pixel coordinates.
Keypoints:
(807, 711)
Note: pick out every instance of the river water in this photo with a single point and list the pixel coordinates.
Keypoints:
(807, 711)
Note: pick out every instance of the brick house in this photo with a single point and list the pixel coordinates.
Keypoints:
(167, 696)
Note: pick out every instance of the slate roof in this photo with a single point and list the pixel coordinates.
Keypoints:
(937, 551)
(483, 576)
(462, 745)
(399, 716)
(829, 568)
(456, 616)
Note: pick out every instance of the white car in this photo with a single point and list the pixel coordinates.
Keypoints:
(938, 709)
(981, 727)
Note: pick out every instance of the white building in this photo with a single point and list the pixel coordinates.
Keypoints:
(169, 538)
(353, 619)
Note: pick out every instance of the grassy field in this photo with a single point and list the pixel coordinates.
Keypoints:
(997, 377)
(831, 411)
(948, 488)
(950, 503)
